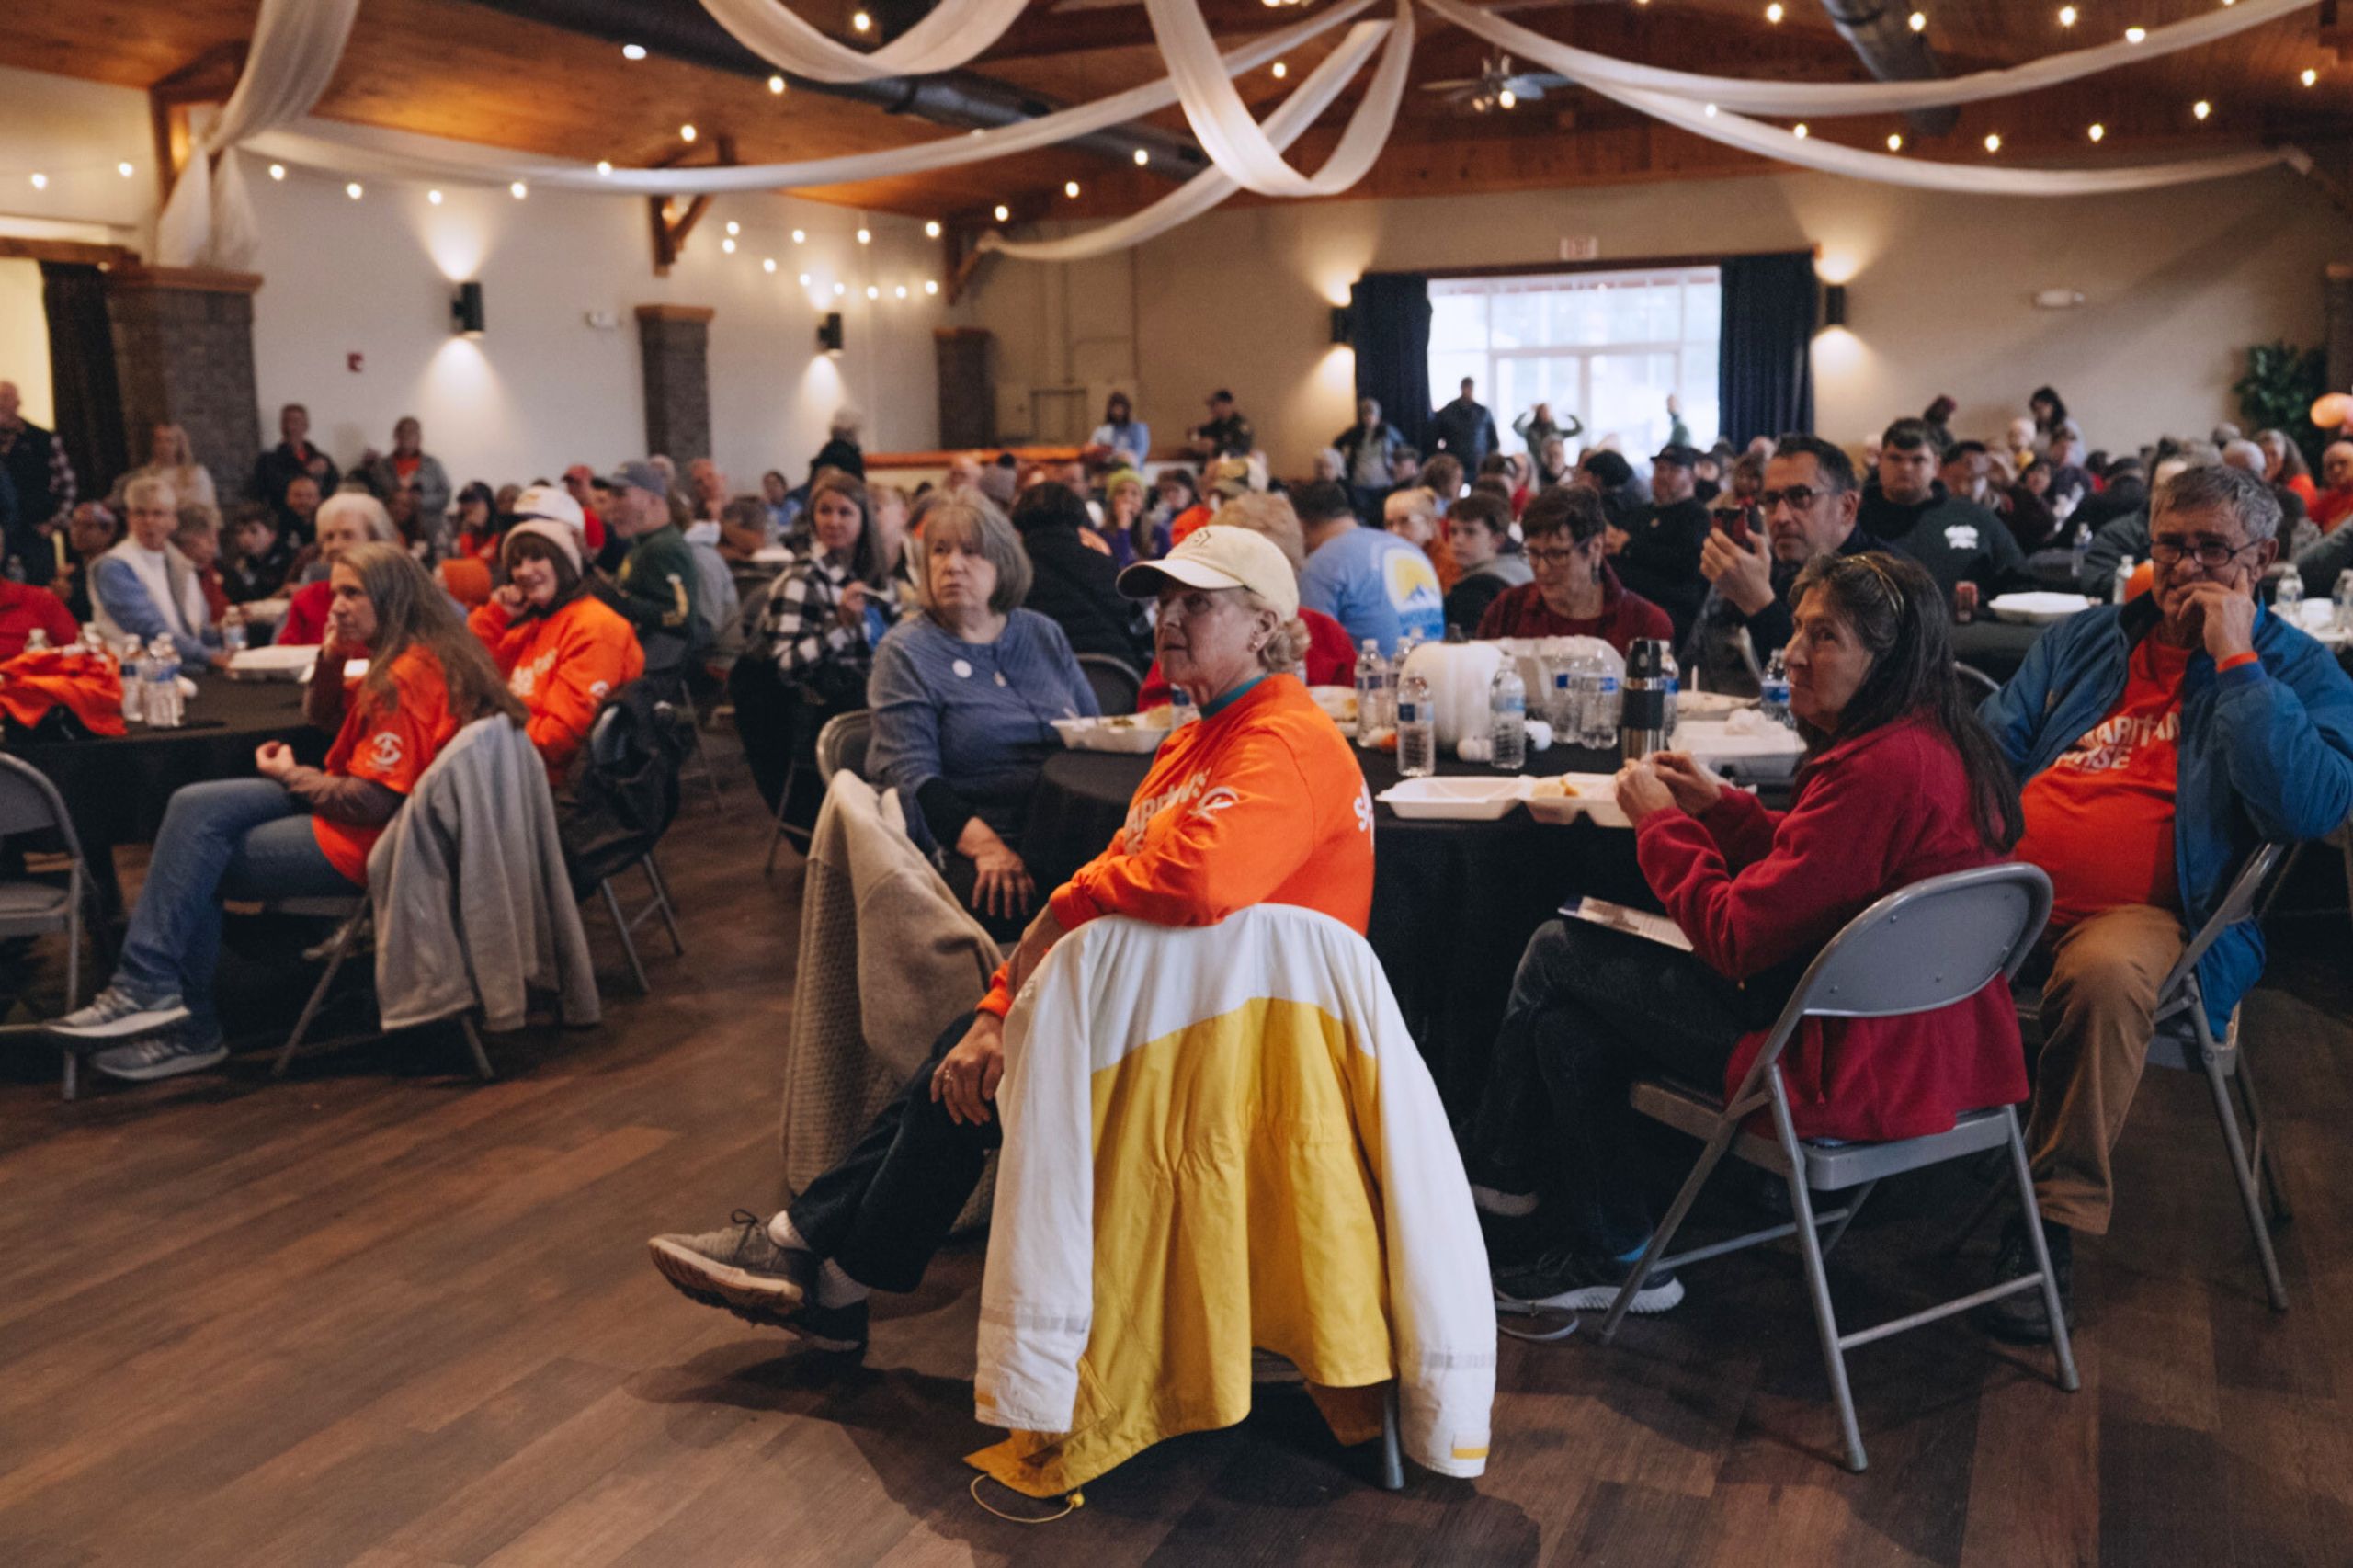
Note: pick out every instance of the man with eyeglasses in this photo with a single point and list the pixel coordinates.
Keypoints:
(1911, 512)
(2160, 740)
(1808, 506)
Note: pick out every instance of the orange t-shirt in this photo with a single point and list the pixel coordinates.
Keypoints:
(1261, 802)
(389, 743)
(2099, 819)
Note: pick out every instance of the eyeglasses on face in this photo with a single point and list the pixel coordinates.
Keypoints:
(1550, 557)
(1799, 496)
(2212, 553)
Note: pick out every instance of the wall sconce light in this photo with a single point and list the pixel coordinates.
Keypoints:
(1833, 304)
(829, 333)
(1344, 324)
(465, 311)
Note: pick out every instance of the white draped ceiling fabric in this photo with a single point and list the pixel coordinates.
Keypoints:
(397, 155)
(1212, 185)
(295, 47)
(953, 32)
(1718, 124)
(1231, 135)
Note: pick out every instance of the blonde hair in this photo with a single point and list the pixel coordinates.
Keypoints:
(1270, 517)
(1283, 653)
(968, 521)
(182, 453)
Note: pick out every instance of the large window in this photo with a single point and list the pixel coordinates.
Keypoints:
(1608, 348)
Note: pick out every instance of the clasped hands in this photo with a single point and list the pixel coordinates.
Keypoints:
(1666, 780)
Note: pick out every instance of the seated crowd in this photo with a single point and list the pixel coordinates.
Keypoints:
(2141, 752)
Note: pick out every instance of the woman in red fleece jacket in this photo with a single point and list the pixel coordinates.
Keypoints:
(1901, 784)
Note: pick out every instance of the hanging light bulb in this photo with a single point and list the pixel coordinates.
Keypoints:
(354, 191)
(768, 264)
(1142, 157)
(1279, 69)
(1918, 21)
(804, 280)
(1711, 111)
(2098, 132)
(1799, 131)
(727, 245)
(2066, 16)
(41, 182)
(1774, 13)
(776, 85)
(1992, 142)
(518, 190)
(1069, 189)
(861, 22)
(1506, 98)
(931, 230)
(2134, 35)
(277, 171)
(866, 236)
(839, 290)
(872, 292)
(1894, 142)
(734, 227)
(799, 236)
(685, 133)
(2201, 108)
(633, 52)
(931, 285)
(604, 166)
(900, 291)
(1002, 212)
(2310, 77)
(124, 168)
(434, 197)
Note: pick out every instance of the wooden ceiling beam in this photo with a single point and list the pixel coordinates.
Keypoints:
(669, 233)
(209, 78)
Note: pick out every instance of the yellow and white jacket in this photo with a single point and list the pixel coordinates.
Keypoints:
(1215, 1138)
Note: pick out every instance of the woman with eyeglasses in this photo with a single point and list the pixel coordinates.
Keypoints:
(1576, 593)
(1900, 783)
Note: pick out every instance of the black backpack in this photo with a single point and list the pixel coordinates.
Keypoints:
(624, 795)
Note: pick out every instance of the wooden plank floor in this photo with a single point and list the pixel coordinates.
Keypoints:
(379, 1316)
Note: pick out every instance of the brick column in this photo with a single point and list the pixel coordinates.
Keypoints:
(183, 354)
(675, 341)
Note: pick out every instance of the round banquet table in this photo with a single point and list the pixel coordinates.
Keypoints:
(1453, 903)
(116, 788)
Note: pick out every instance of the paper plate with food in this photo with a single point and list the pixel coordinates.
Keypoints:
(1136, 735)
(1566, 797)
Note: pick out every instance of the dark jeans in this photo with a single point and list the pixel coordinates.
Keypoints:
(886, 1208)
(1592, 1010)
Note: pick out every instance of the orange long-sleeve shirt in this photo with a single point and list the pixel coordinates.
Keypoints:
(1261, 802)
(562, 667)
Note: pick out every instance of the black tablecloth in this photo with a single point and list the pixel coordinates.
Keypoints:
(116, 789)
(1453, 903)
(1997, 647)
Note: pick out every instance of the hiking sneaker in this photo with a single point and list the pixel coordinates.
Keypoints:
(839, 1329)
(167, 1054)
(740, 1270)
(1566, 1280)
(2021, 1318)
(115, 1013)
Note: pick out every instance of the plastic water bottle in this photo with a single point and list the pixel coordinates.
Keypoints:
(1372, 693)
(2288, 599)
(1182, 709)
(1416, 727)
(2082, 546)
(1673, 689)
(233, 638)
(132, 665)
(1596, 704)
(2344, 601)
(1561, 693)
(1507, 717)
(162, 677)
(36, 640)
(1773, 694)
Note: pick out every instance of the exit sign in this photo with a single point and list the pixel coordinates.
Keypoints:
(1580, 247)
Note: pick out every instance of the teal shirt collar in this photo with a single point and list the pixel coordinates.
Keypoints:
(1211, 710)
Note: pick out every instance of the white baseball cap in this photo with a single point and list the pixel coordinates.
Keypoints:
(549, 512)
(1220, 557)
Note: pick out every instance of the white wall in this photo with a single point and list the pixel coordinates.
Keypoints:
(2177, 284)
(541, 388)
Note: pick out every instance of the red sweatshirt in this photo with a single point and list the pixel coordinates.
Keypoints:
(1261, 802)
(1756, 889)
(1626, 617)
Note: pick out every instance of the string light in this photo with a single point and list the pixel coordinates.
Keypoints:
(734, 228)
(727, 245)
(2066, 16)
(2097, 132)
(124, 168)
(2310, 77)
(434, 197)
(2134, 35)
(900, 291)
(604, 167)
(1918, 21)
(872, 292)
(277, 171)
(1711, 111)
(804, 280)
(518, 190)
(799, 236)
(1142, 157)
(1894, 142)
(1992, 142)
(839, 290)
(2201, 108)
(1507, 100)
(1281, 70)
(866, 236)
(776, 85)
(861, 22)
(768, 264)
(1002, 212)
(354, 191)
(931, 285)
(41, 182)
(1774, 13)
(1070, 188)
(685, 133)
(633, 52)
(1799, 131)
(931, 230)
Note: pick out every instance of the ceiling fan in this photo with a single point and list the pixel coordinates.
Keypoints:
(1498, 86)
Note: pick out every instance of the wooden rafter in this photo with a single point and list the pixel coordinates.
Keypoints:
(209, 78)
(670, 233)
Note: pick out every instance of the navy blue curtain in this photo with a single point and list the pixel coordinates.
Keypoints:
(1764, 374)
(1392, 313)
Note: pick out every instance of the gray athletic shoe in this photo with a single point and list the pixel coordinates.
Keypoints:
(163, 1055)
(739, 1270)
(115, 1013)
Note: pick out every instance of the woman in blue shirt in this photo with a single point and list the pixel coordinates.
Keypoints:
(1121, 437)
(964, 698)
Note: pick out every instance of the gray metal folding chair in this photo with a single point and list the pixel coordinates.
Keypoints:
(1921, 947)
(1115, 682)
(1976, 683)
(842, 744)
(29, 907)
(355, 918)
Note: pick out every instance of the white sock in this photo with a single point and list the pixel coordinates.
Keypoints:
(1508, 1204)
(781, 1232)
(836, 1289)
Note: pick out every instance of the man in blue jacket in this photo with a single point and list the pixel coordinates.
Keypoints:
(2159, 742)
